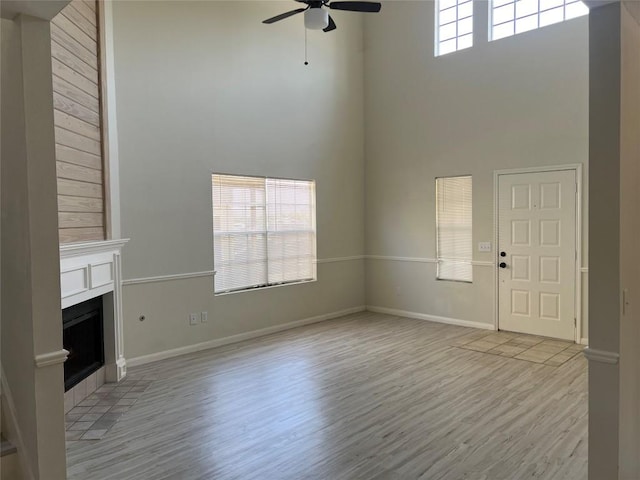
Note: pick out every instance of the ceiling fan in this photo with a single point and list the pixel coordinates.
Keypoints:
(317, 18)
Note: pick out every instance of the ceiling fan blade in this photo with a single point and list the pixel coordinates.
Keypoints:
(331, 26)
(282, 16)
(356, 6)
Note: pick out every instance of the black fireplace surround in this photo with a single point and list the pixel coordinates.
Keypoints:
(83, 337)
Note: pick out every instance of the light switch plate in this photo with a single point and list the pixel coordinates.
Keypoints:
(204, 317)
(193, 319)
(484, 246)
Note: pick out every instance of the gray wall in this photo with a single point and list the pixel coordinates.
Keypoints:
(189, 103)
(205, 87)
(31, 312)
(516, 102)
(614, 386)
(604, 299)
(17, 327)
(629, 457)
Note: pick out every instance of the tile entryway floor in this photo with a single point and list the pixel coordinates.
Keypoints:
(92, 418)
(522, 347)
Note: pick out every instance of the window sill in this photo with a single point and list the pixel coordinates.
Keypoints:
(268, 287)
(469, 282)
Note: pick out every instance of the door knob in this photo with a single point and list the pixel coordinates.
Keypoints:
(503, 265)
(503, 254)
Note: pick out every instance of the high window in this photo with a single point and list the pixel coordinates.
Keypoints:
(454, 25)
(264, 231)
(453, 228)
(509, 17)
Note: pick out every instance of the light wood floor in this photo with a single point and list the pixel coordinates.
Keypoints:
(367, 396)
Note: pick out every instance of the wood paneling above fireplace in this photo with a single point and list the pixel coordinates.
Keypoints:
(76, 66)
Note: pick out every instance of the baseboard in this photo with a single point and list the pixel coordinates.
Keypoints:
(197, 347)
(584, 341)
(430, 318)
(15, 434)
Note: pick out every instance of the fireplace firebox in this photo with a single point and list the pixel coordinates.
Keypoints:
(83, 338)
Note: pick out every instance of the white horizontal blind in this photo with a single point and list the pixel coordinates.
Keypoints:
(263, 231)
(509, 17)
(239, 232)
(291, 230)
(454, 228)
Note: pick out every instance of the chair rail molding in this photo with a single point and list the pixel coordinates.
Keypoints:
(51, 358)
(601, 356)
(210, 273)
(391, 258)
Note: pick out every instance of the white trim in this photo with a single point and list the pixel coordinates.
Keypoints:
(584, 341)
(340, 259)
(81, 296)
(577, 167)
(116, 365)
(51, 358)
(479, 263)
(116, 371)
(578, 274)
(475, 263)
(489, 17)
(210, 273)
(92, 266)
(584, 270)
(85, 273)
(436, 29)
(430, 318)
(167, 278)
(401, 259)
(109, 102)
(87, 248)
(266, 287)
(546, 168)
(9, 413)
(601, 356)
(174, 352)
(87, 256)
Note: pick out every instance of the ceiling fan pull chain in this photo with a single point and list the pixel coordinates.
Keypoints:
(305, 47)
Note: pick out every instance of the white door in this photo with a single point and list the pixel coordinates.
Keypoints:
(537, 253)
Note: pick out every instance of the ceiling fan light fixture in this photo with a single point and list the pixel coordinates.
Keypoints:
(316, 19)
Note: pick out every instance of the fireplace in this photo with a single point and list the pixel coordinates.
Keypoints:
(90, 272)
(83, 338)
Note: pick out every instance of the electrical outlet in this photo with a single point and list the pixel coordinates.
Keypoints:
(193, 319)
(484, 246)
(204, 317)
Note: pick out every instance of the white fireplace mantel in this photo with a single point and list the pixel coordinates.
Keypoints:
(93, 269)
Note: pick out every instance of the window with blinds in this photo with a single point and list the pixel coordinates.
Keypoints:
(264, 231)
(454, 242)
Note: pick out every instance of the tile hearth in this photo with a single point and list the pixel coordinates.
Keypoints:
(92, 418)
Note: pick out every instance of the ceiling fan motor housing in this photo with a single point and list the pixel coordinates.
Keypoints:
(316, 13)
(316, 18)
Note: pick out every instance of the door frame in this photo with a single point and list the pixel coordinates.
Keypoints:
(577, 168)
